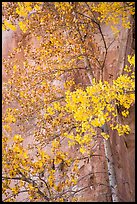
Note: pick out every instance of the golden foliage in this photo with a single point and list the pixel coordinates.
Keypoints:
(46, 109)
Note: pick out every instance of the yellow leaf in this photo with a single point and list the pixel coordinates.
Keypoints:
(106, 136)
(18, 138)
(82, 150)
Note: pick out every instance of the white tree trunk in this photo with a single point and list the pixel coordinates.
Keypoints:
(110, 166)
(108, 153)
(111, 171)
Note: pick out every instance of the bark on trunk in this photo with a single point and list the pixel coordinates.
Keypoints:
(108, 154)
(107, 146)
(110, 166)
(111, 171)
(89, 69)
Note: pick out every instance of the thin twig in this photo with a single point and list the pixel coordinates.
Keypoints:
(29, 180)
(94, 155)
(10, 178)
(45, 184)
(13, 195)
(90, 174)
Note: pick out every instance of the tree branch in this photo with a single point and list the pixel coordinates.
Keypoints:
(45, 184)
(14, 195)
(29, 180)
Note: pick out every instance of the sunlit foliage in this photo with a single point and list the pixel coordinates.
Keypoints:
(41, 98)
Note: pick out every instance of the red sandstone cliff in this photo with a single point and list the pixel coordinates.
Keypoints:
(123, 147)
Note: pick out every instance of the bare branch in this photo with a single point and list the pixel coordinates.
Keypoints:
(10, 178)
(29, 180)
(45, 184)
(13, 195)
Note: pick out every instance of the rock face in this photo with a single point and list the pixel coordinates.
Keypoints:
(124, 159)
(123, 147)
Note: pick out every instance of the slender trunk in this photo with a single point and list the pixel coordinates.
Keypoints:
(110, 166)
(89, 69)
(86, 60)
(107, 146)
(111, 171)
(109, 157)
